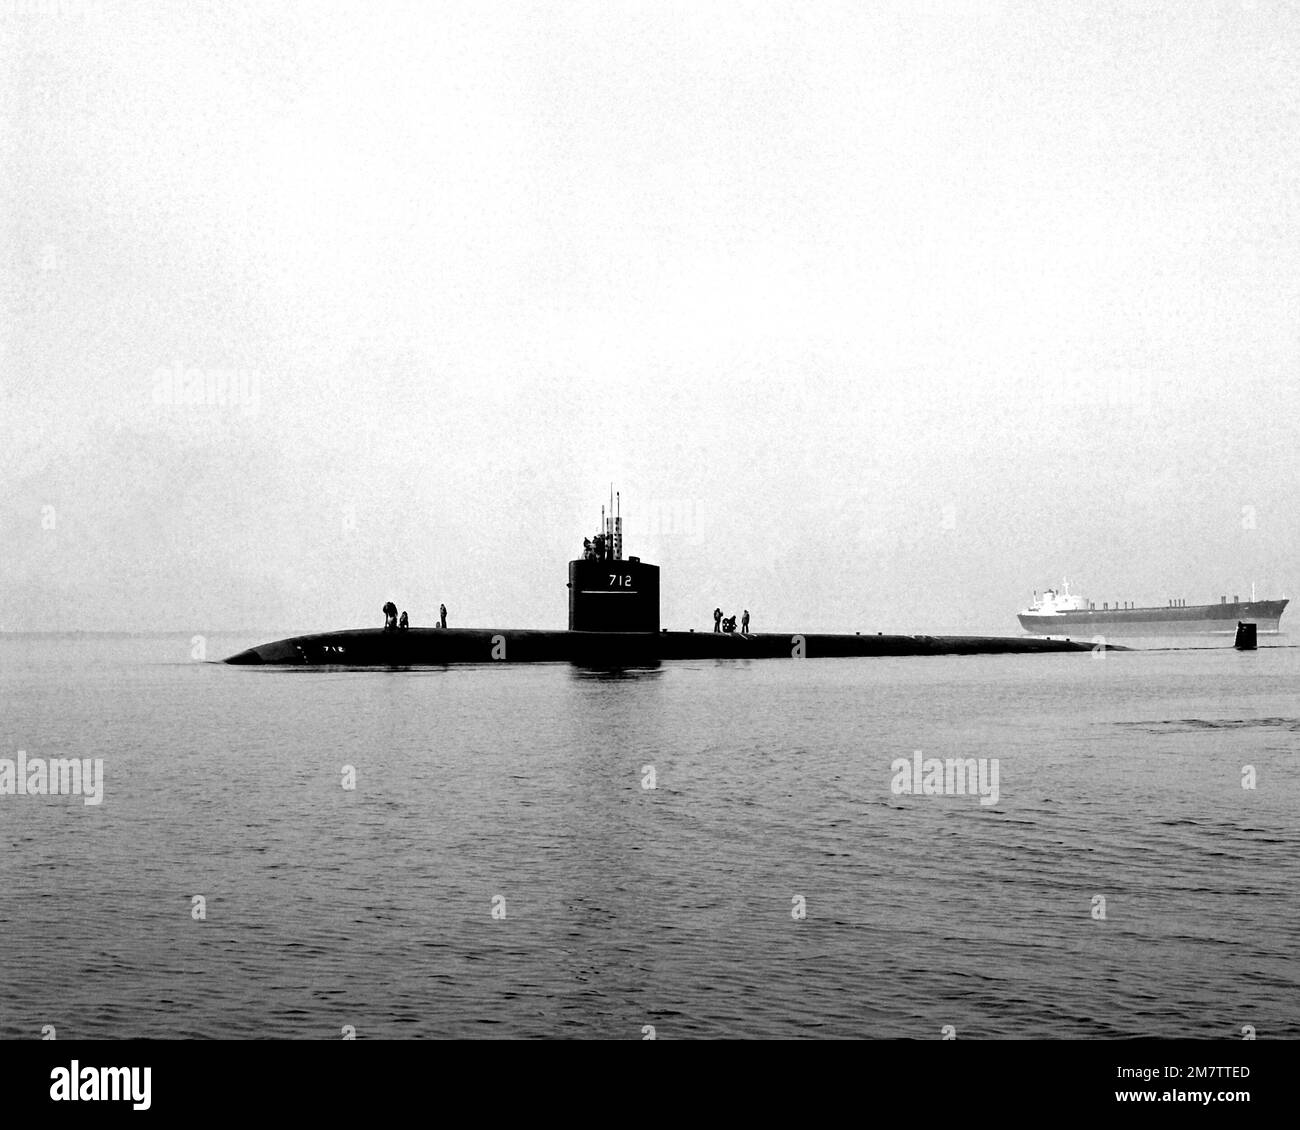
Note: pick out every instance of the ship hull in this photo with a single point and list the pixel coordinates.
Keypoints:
(436, 647)
(1203, 619)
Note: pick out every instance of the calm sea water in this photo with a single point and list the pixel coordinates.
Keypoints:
(520, 790)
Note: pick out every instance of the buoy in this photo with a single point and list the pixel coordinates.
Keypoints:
(1245, 640)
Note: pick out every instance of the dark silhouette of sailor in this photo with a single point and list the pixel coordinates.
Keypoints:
(442, 615)
(403, 623)
(717, 619)
(744, 623)
(390, 616)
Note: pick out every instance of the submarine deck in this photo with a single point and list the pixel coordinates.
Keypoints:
(377, 647)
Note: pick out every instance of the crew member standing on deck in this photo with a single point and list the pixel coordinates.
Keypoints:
(403, 623)
(744, 623)
(717, 619)
(442, 615)
(390, 616)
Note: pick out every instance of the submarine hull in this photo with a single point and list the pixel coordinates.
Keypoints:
(423, 647)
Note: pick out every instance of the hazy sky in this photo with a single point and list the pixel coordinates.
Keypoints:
(879, 315)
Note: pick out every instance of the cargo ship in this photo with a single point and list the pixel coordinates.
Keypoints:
(613, 622)
(1061, 612)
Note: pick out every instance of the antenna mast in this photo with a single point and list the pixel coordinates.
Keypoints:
(609, 523)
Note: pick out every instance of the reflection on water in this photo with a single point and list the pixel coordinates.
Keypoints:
(580, 672)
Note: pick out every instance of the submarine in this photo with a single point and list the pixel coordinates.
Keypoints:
(613, 622)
